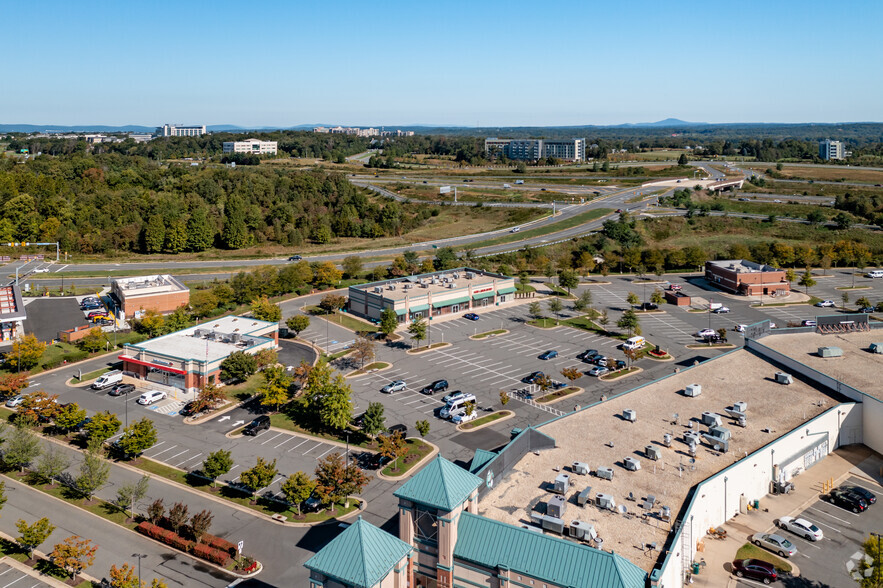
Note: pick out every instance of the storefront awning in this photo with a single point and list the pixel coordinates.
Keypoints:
(482, 295)
(506, 291)
(420, 308)
(450, 302)
(164, 368)
(398, 311)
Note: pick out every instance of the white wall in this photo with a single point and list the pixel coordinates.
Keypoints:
(872, 434)
(717, 499)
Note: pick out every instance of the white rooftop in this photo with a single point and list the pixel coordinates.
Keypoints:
(209, 341)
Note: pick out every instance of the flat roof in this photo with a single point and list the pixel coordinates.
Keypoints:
(148, 285)
(188, 344)
(743, 266)
(422, 284)
(12, 306)
(598, 436)
(857, 367)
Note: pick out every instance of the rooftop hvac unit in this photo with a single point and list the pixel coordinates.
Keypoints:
(392, 286)
(605, 501)
(583, 497)
(537, 518)
(666, 513)
(553, 524)
(469, 275)
(604, 473)
(198, 333)
(711, 419)
(532, 529)
(693, 390)
(691, 437)
(556, 507)
(783, 378)
(632, 464)
(406, 287)
(235, 337)
(742, 422)
(630, 415)
(653, 452)
(830, 352)
(562, 483)
(666, 439)
(719, 433)
(456, 276)
(378, 289)
(580, 468)
(452, 285)
(691, 448)
(211, 335)
(581, 530)
(741, 406)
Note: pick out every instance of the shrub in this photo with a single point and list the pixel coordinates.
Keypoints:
(215, 556)
(220, 544)
(178, 542)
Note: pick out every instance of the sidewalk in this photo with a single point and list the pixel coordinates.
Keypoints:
(846, 461)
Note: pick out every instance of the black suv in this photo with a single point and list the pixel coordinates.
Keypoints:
(865, 495)
(437, 386)
(845, 499)
(262, 423)
(533, 377)
(295, 258)
(121, 389)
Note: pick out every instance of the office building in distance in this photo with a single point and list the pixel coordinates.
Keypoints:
(831, 150)
(159, 293)
(180, 131)
(741, 276)
(254, 146)
(534, 149)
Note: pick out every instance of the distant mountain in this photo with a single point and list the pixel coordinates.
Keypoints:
(668, 122)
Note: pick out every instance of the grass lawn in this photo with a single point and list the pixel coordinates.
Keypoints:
(749, 551)
(377, 365)
(619, 374)
(524, 288)
(573, 221)
(486, 419)
(96, 373)
(558, 290)
(416, 450)
(543, 323)
(428, 347)
(336, 355)
(584, 323)
(243, 390)
(344, 320)
(558, 394)
(488, 334)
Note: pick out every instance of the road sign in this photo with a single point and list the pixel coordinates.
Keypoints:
(240, 545)
(444, 190)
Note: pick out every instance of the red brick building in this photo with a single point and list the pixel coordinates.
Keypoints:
(741, 276)
(161, 293)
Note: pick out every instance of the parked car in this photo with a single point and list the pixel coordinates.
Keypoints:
(674, 287)
(775, 543)
(601, 362)
(862, 493)
(808, 323)
(261, 423)
(533, 377)
(740, 328)
(587, 354)
(15, 401)
(121, 389)
(437, 386)
(801, 527)
(188, 409)
(403, 429)
(460, 418)
(90, 305)
(471, 316)
(102, 321)
(721, 310)
(755, 569)
(295, 258)
(550, 354)
(453, 396)
(866, 309)
(152, 396)
(649, 306)
(845, 499)
(598, 371)
(312, 504)
(97, 314)
(619, 364)
(706, 333)
(394, 386)
(825, 304)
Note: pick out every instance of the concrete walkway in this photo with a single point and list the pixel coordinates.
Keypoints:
(853, 460)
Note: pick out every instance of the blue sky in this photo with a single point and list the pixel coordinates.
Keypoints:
(468, 63)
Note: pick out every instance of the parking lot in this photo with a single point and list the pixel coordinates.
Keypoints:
(10, 576)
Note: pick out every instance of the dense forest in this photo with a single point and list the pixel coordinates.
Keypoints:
(112, 202)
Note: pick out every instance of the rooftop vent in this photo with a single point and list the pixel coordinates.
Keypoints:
(693, 390)
(666, 439)
(604, 473)
(783, 378)
(632, 464)
(630, 415)
(580, 468)
(583, 497)
(605, 501)
(562, 484)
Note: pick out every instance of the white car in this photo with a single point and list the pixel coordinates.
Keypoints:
(461, 418)
(740, 328)
(396, 386)
(801, 527)
(706, 333)
(41, 270)
(152, 396)
(15, 401)
(825, 304)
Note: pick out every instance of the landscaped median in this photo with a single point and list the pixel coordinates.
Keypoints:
(553, 397)
(377, 366)
(416, 452)
(485, 421)
(620, 374)
(426, 348)
(344, 320)
(710, 346)
(489, 334)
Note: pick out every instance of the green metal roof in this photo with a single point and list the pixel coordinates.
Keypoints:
(420, 308)
(505, 290)
(440, 484)
(482, 295)
(398, 311)
(481, 457)
(361, 556)
(451, 301)
(492, 544)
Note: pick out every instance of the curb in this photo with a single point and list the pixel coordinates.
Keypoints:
(560, 398)
(669, 358)
(302, 436)
(363, 504)
(636, 371)
(417, 466)
(227, 407)
(389, 365)
(435, 347)
(493, 422)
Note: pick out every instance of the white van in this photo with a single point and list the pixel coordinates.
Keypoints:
(456, 406)
(152, 396)
(634, 343)
(107, 379)
(875, 274)
(519, 182)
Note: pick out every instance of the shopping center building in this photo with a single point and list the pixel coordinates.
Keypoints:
(191, 358)
(160, 293)
(436, 294)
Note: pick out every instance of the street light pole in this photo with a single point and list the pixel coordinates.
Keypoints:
(140, 556)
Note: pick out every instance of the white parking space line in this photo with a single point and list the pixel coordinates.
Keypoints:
(14, 581)
(298, 445)
(289, 438)
(161, 452)
(177, 454)
(312, 448)
(271, 438)
(845, 522)
(189, 459)
(329, 451)
(61, 268)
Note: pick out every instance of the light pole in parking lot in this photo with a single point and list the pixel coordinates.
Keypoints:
(140, 556)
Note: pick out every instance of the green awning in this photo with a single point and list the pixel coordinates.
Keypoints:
(399, 311)
(420, 308)
(506, 291)
(482, 295)
(450, 302)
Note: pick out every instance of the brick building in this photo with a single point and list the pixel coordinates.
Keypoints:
(161, 293)
(741, 276)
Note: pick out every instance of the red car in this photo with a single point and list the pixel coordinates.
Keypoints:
(97, 314)
(755, 569)
(674, 287)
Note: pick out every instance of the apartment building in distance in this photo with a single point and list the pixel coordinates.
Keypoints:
(180, 131)
(369, 132)
(832, 150)
(534, 149)
(254, 146)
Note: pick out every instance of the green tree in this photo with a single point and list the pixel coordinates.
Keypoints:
(555, 306)
(336, 408)
(138, 437)
(807, 281)
(374, 423)
(235, 234)
(332, 302)
(177, 320)
(152, 323)
(327, 274)
(297, 323)
(682, 160)
(275, 390)
(863, 302)
(523, 280)
(845, 299)
(422, 427)
(203, 302)
(217, 464)
(103, 426)
(842, 220)
(352, 265)
(154, 234)
(209, 396)
(535, 310)
(30, 537)
(176, 237)
(568, 279)
(264, 310)
(94, 471)
(629, 321)
(870, 567)
(657, 297)
(200, 523)
(260, 475)
(21, 448)
(445, 258)
(388, 322)
(95, 340)
(363, 350)
(25, 353)
(633, 299)
(790, 275)
(816, 217)
(603, 318)
(51, 464)
(417, 330)
(132, 492)
(392, 447)
(583, 301)
(200, 234)
(239, 365)
(504, 397)
(297, 488)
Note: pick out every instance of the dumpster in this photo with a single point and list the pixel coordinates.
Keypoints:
(695, 568)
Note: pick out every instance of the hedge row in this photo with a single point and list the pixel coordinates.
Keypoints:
(202, 550)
